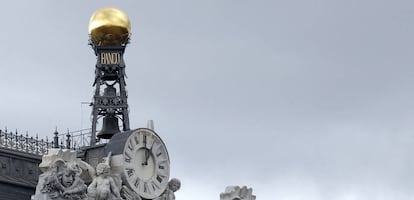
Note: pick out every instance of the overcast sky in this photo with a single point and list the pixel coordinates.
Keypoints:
(299, 99)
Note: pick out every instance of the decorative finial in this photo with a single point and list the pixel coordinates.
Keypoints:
(109, 27)
(56, 139)
(150, 124)
(68, 140)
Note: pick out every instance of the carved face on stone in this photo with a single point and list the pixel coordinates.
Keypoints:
(67, 178)
(102, 168)
(68, 173)
(174, 184)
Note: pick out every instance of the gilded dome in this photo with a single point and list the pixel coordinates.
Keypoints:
(109, 26)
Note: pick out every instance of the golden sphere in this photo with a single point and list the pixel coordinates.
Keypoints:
(109, 26)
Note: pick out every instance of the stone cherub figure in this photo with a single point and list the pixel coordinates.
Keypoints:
(173, 186)
(104, 185)
(61, 182)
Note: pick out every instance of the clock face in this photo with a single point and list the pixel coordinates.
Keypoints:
(146, 163)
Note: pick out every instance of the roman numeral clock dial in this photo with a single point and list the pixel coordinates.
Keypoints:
(146, 164)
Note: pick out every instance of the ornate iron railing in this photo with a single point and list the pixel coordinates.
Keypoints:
(75, 140)
(24, 143)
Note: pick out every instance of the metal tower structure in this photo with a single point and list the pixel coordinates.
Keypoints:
(110, 98)
(109, 31)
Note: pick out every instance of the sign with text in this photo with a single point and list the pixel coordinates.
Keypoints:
(110, 58)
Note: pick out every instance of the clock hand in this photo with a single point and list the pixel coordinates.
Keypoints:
(146, 157)
(145, 141)
(147, 152)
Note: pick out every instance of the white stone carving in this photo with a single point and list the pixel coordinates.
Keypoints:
(237, 193)
(105, 185)
(48, 159)
(173, 186)
(61, 181)
(129, 194)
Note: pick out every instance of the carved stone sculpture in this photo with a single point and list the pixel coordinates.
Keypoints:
(105, 186)
(61, 182)
(237, 193)
(129, 194)
(56, 154)
(173, 186)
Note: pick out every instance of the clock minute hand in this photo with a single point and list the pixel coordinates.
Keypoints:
(147, 152)
(146, 157)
